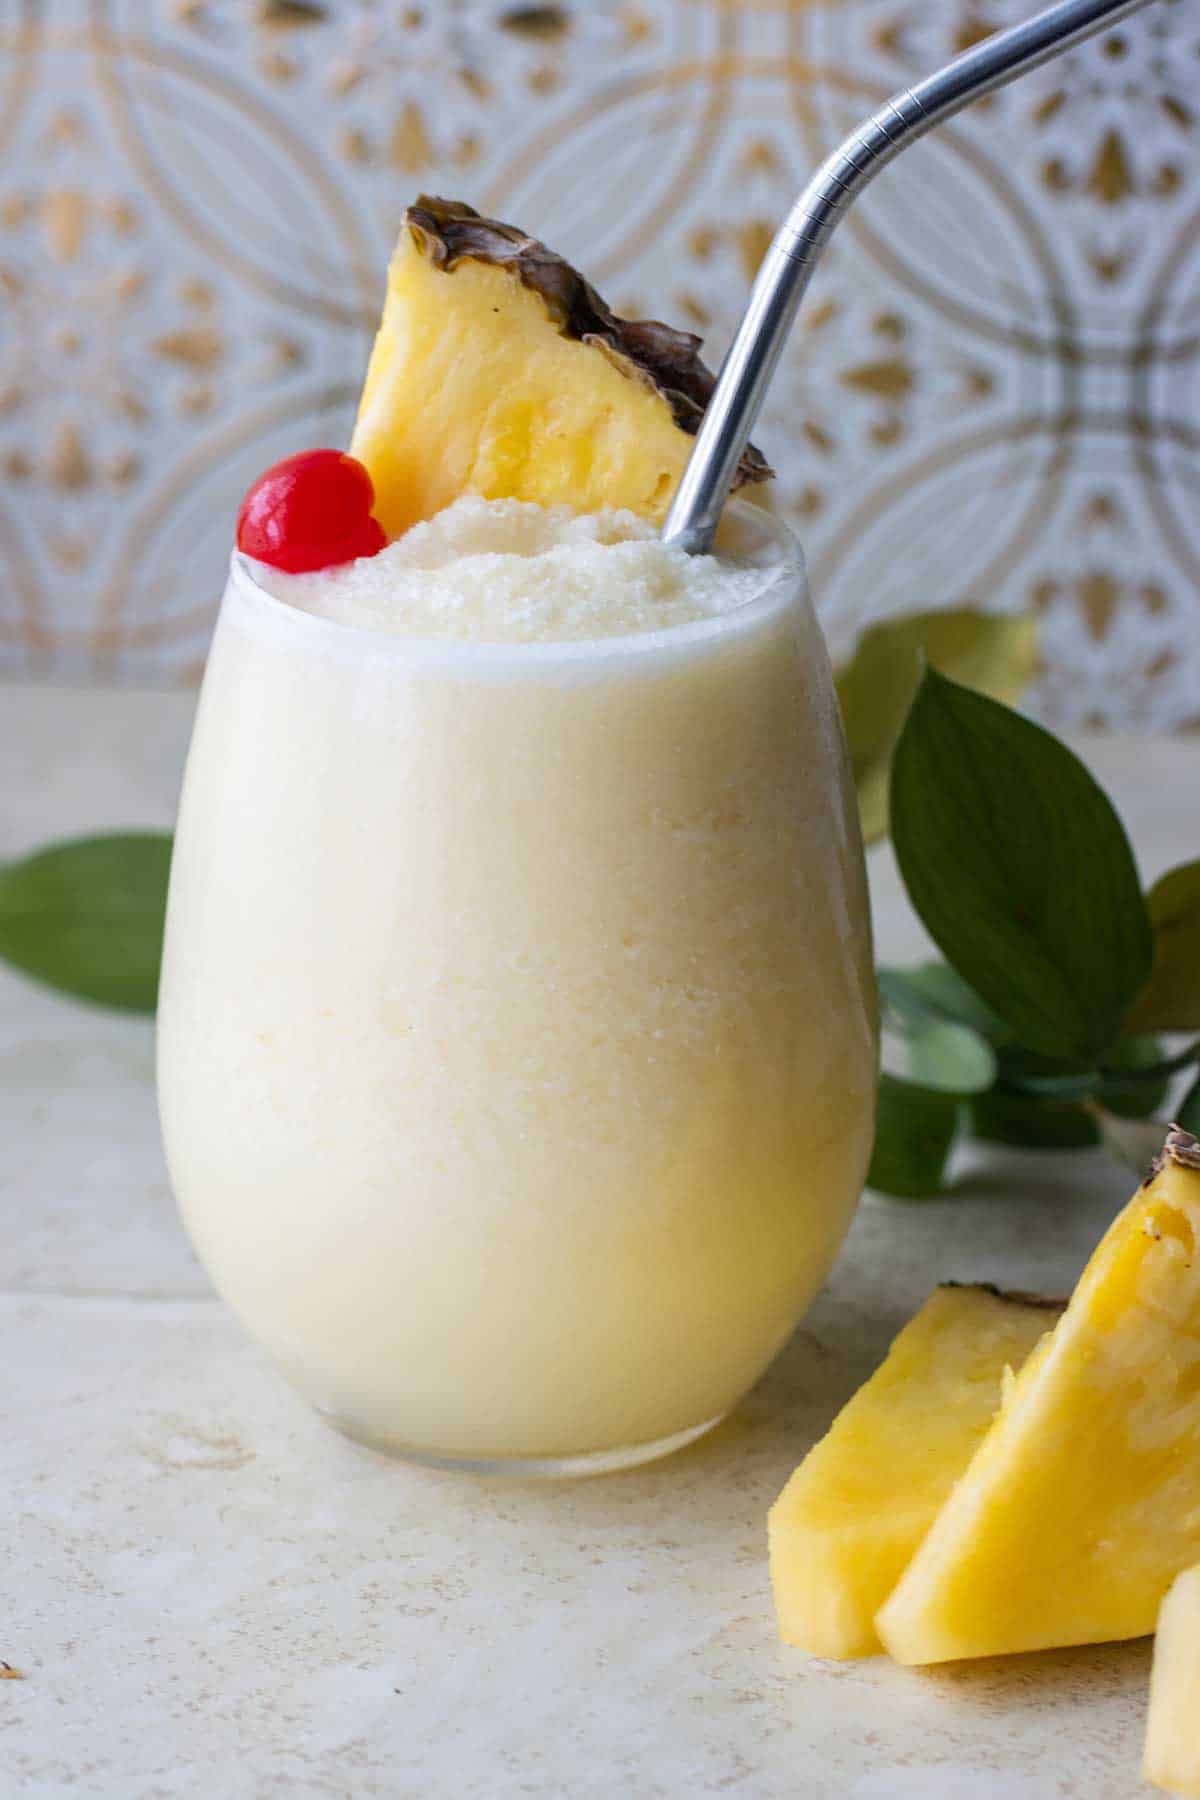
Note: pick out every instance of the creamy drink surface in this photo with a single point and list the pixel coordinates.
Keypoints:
(517, 1045)
(501, 571)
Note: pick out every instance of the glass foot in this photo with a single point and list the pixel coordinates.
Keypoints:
(527, 1468)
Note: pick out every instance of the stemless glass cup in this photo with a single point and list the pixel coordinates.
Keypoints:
(517, 1039)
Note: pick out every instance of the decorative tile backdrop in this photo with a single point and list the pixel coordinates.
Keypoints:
(992, 399)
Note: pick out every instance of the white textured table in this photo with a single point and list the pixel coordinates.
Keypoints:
(211, 1594)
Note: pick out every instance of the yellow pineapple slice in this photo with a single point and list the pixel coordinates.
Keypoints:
(1082, 1504)
(851, 1516)
(498, 371)
(1173, 1727)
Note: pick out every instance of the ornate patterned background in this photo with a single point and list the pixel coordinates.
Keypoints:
(992, 398)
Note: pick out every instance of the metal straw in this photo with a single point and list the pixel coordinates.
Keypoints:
(796, 248)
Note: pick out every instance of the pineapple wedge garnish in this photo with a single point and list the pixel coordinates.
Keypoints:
(1082, 1504)
(499, 371)
(1172, 1757)
(855, 1510)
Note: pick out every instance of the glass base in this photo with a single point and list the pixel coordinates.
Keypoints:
(526, 1468)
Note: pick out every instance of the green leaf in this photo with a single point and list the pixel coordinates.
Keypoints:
(903, 999)
(952, 1059)
(1187, 1113)
(1170, 1001)
(1131, 1098)
(934, 991)
(1005, 1117)
(914, 1135)
(87, 917)
(994, 653)
(1047, 1077)
(1020, 870)
(935, 1052)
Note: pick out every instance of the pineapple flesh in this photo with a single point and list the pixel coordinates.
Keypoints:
(1172, 1758)
(1082, 1503)
(499, 371)
(855, 1510)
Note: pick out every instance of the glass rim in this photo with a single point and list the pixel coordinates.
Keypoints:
(784, 583)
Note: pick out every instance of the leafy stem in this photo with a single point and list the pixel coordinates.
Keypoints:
(1023, 875)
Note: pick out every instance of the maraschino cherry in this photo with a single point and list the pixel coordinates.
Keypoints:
(310, 511)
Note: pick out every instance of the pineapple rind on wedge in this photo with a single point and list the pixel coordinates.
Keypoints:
(859, 1504)
(499, 371)
(1172, 1759)
(1082, 1504)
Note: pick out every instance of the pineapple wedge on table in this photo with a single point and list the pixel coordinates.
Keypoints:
(499, 371)
(855, 1510)
(1172, 1758)
(1082, 1504)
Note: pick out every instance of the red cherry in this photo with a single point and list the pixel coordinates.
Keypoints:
(310, 511)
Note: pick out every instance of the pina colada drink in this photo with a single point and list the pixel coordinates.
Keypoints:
(517, 1041)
